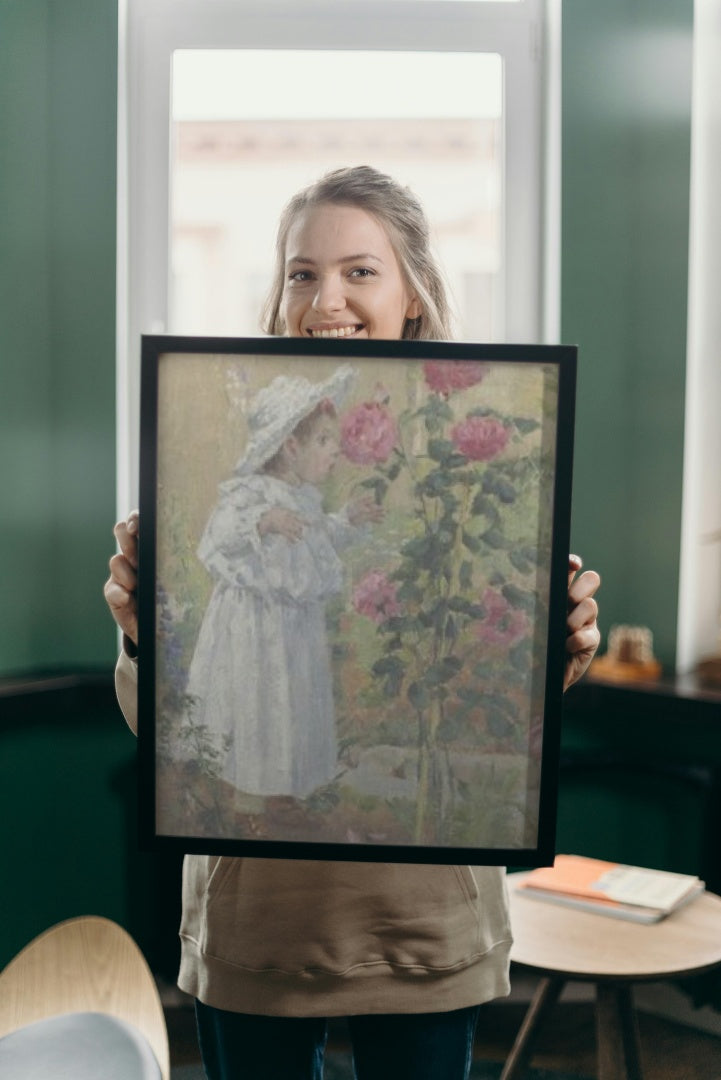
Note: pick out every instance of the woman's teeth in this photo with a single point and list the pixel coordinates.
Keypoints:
(337, 331)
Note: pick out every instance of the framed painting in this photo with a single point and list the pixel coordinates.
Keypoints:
(352, 597)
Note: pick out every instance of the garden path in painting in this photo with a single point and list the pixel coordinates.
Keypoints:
(436, 634)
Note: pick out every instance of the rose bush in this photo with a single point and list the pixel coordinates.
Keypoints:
(376, 597)
(444, 376)
(502, 624)
(368, 433)
(480, 438)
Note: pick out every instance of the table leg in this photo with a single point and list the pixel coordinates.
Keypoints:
(617, 1033)
(545, 997)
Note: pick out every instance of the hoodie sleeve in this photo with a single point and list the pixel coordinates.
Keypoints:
(126, 688)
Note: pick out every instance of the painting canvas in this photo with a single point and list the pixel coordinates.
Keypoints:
(353, 567)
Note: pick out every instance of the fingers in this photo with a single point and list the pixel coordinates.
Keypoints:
(582, 588)
(575, 562)
(126, 534)
(584, 641)
(121, 587)
(123, 607)
(583, 636)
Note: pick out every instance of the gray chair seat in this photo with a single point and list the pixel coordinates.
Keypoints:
(78, 1046)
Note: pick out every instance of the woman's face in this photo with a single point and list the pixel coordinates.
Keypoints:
(342, 277)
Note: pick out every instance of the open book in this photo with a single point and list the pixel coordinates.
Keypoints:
(608, 888)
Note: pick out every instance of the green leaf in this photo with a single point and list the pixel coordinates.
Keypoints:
(451, 665)
(501, 704)
(418, 696)
(498, 725)
(388, 665)
(465, 574)
(526, 426)
(439, 449)
(418, 547)
(376, 484)
(495, 539)
(435, 484)
(471, 542)
(519, 561)
(519, 598)
(494, 483)
(520, 656)
(482, 506)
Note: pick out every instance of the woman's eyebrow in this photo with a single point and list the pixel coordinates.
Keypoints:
(360, 257)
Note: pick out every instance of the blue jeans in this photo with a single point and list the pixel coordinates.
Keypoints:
(415, 1046)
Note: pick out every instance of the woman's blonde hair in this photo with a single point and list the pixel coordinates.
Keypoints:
(403, 217)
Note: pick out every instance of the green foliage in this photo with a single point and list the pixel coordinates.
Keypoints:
(475, 530)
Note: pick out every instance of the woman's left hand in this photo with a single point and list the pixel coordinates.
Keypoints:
(583, 635)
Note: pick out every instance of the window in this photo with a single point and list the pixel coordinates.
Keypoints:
(235, 161)
(227, 107)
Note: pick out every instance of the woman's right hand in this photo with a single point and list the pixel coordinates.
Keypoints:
(121, 587)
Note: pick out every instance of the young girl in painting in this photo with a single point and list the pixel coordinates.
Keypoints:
(271, 948)
(260, 678)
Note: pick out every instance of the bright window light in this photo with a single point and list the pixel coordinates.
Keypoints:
(251, 127)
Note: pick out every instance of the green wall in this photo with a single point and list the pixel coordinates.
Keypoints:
(58, 72)
(625, 167)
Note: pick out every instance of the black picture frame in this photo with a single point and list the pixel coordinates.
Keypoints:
(394, 641)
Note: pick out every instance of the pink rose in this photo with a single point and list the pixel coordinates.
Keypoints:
(375, 596)
(368, 433)
(480, 438)
(443, 376)
(502, 624)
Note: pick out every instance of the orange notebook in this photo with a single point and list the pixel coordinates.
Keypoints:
(631, 892)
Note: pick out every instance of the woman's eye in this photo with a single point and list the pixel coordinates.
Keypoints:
(362, 272)
(300, 276)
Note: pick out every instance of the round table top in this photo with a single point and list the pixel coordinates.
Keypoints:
(559, 940)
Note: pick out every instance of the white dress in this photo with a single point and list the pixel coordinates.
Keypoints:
(261, 677)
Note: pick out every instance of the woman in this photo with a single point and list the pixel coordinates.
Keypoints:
(272, 948)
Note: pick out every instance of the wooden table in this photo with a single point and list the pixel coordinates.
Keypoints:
(563, 944)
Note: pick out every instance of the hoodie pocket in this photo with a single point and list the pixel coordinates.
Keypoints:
(295, 916)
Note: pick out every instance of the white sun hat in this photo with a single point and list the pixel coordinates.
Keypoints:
(278, 408)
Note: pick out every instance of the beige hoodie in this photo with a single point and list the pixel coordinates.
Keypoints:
(296, 938)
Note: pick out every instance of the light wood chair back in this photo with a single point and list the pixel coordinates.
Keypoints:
(87, 964)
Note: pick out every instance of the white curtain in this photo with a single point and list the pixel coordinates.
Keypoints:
(700, 582)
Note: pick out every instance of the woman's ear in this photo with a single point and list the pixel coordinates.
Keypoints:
(415, 309)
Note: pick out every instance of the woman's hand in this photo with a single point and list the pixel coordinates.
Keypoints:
(583, 635)
(121, 587)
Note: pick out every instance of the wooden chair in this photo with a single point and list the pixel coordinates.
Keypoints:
(90, 972)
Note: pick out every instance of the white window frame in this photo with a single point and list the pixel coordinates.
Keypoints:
(526, 34)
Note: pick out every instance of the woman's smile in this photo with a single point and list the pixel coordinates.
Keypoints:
(334, 331)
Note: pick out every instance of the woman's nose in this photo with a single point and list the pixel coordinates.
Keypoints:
(329, 295)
